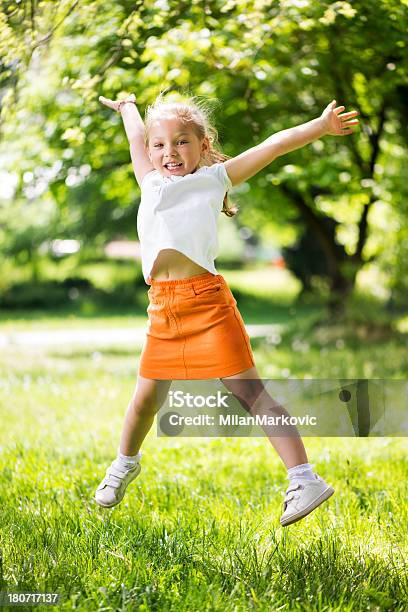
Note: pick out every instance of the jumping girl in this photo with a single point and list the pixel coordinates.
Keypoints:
(195, 330)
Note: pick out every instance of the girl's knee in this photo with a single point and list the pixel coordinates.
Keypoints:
(247, 391)
(145, 405)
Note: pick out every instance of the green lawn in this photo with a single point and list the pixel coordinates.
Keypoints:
(199, 530)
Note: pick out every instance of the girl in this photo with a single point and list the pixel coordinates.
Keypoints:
(195, 330)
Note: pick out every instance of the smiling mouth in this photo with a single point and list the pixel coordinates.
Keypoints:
(171, 166)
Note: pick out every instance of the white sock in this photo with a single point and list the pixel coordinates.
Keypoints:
(129, 460)
(304, 470)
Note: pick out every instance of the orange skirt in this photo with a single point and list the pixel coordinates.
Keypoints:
(195, 331)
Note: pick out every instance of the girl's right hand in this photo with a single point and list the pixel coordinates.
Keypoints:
(114, 104)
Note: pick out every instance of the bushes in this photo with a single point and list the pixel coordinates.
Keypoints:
(52, 294)
(33, 295)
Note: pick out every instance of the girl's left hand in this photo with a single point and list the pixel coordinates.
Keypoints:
(336, 124)
(115, 104)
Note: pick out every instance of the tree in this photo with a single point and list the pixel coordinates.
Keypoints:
(271, 67)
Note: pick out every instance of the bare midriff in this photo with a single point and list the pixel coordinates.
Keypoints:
(173, 265)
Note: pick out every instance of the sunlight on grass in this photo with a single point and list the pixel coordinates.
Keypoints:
(71, 321)
(202, 521)
(264, 281)
(200, 528)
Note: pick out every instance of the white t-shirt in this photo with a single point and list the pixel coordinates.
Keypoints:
(180, 212)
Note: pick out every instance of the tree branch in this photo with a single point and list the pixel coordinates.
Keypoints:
(375, 136)
(48, 36)
(338, 80)
(375, 141)
(317, 226)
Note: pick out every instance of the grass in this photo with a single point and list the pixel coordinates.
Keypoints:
(199, 530)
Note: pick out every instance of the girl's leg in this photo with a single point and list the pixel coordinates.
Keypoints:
(306, 490)
(248, 388)
(147, 398)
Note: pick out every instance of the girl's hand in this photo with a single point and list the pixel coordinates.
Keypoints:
(336, 124)
(114, 104)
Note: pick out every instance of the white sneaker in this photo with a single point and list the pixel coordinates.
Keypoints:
(302, 497)
(112, 488)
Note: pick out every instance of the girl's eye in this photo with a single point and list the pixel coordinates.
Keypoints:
(179, 142)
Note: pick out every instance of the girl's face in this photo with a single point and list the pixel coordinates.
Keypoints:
(174, 147)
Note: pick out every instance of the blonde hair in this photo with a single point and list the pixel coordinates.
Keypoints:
(196, 114)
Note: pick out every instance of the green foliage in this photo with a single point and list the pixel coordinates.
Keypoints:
(271, 66)
(70, 292)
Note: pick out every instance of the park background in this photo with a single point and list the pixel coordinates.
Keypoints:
(316, 258)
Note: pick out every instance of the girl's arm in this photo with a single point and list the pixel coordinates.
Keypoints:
(248, 163)
(134, 128)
